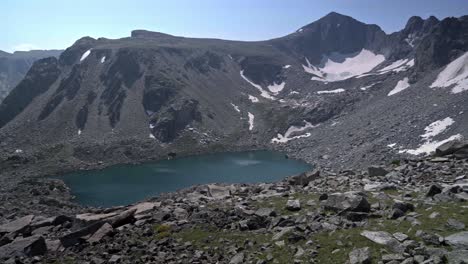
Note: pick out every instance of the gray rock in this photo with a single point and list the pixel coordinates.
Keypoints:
(360, 256)
(457, 257)
(17, 226)
(29, 247)
(339, 202)
(384, 238)
(303, 179)
(237, 259)
(393, 257)
(455, 224)
(377, 171)
(458, 240)
(265, 212)
(218, 192)
(293, 205)
(433, 190)
(105, 230)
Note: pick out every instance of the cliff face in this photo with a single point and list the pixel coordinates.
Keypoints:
(13, 67)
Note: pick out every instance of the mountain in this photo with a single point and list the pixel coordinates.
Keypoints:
(14, 66)
(336, 90)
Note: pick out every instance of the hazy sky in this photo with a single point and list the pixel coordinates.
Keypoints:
(56, 24)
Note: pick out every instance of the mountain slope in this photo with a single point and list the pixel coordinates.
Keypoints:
(335, 90)
(14, 66)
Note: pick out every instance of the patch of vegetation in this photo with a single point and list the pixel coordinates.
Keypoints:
(254, 243)
(396, 162)
(343, 241)
(162, 231)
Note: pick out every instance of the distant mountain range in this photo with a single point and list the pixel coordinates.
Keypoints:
(336, 90)
(14, 66)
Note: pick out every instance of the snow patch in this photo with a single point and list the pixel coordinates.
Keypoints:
(152, 136)
(79, 132)
(430, 146)
(236, 107)
(300, 30)
(286, 66)
(251, 121)
(287, 136)
(263, 93)
(401, 85)
(294, 92)
(340, 90)
(391, 145)
(18, 151)
(276, 88)
(337, 67)
(367, 87)
(431, 131)
(253, 99)
(455, 74)
(85, 55)
(437, 127)
(151, 126)
(103, 59)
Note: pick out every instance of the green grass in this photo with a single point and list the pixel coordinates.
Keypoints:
(351, 238)
(207, 238)
(162, 231)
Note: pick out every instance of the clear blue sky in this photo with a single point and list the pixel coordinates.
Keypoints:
(56, 24)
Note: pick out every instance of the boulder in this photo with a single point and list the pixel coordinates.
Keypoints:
(385, 239)
(453, 147)
(457, 256)
(219, 192)
(237, 259)
(293, 205)
(375, 171)
(458, 240)
(360, 256)
(340, 202)
(105, 230)
(17, 226)
(20, 247)
(265, 212)
(433, 190)
(79, 236)
(303, 179)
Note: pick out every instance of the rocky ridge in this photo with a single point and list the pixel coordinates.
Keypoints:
(410, 211)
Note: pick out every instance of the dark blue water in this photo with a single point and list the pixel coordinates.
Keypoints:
(126, 184)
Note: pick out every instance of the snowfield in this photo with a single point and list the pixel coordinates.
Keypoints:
(340, 90)
(251, 121)
(85, 55)
(400, 86)
(287, 136)
(455, 74)
(337, 67)
(263, 92)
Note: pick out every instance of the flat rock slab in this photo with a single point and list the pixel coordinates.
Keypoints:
(89, 217)
(17, 225)
(144, 207)
(458, 240)
(383, 238)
